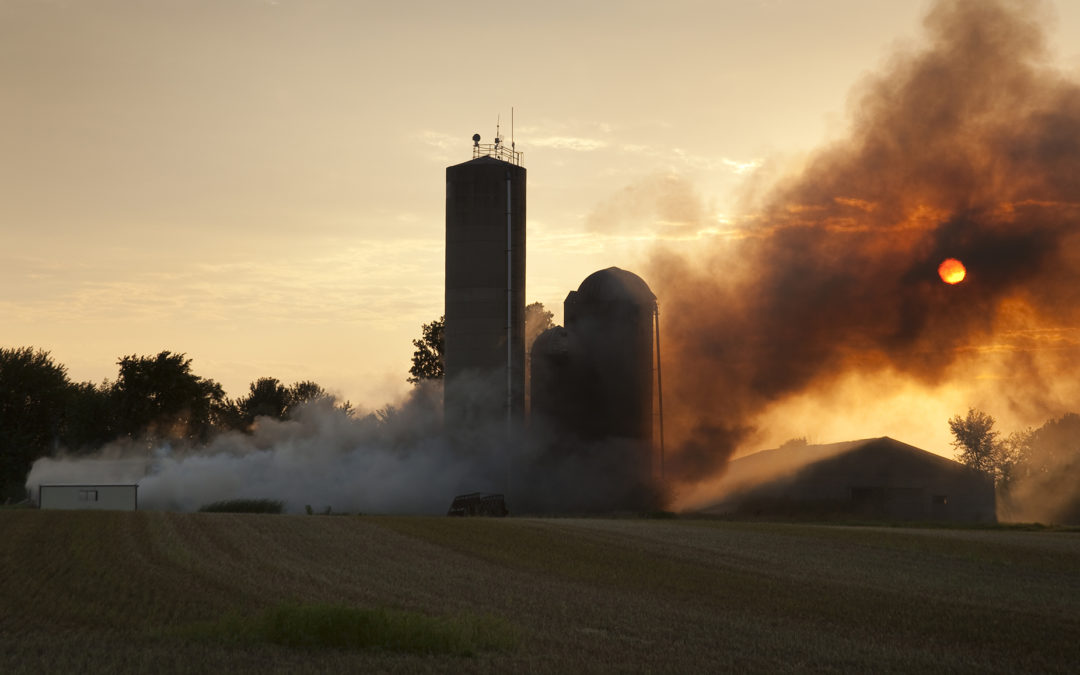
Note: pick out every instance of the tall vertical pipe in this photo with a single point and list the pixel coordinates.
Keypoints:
(659, 387)
(509, 309)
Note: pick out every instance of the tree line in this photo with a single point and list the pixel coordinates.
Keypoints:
(153, 398)
(1036, 472)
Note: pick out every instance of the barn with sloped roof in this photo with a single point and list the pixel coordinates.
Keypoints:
(878, 478)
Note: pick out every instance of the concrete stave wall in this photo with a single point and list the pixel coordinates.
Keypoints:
(476, 287)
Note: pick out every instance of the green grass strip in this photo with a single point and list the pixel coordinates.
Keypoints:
(340, 627)
(245, 506)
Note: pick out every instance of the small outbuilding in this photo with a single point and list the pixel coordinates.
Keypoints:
(879, 478)
(89, 497)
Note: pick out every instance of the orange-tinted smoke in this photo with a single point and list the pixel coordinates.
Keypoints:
(967, 149)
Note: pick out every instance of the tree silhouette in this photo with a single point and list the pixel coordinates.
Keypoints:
(1055, 443)
(307, 391)
(976, 441)
(89, 419)
(537, 320)
(34, 392)
(268, 397)
(1013, 458)
(159, 396)
(427, 360)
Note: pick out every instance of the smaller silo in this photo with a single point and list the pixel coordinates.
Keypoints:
(551, 381)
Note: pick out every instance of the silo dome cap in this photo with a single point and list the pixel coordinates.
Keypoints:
(614, 284)
(552, 342)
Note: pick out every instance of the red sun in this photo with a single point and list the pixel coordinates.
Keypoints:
(952, 271)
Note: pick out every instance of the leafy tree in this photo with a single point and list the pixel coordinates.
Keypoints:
(268, 397)
(976, 441)
(1055, 443)
(34, 393)
(1013, 457)
(307, 391)
(427, 360)
(89, 420)
(537, 320)
(1053, 468)
(160, 396)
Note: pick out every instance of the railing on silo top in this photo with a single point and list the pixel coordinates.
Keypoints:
(498, 150)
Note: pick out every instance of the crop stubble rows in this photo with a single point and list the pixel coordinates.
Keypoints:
(109, 588)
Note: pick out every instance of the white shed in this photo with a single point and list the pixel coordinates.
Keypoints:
(89, 497)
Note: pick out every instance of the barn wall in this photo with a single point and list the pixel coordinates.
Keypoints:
(882, 479)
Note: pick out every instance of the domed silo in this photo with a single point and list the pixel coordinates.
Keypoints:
(609, 321)
(592, 392)
(484, 350)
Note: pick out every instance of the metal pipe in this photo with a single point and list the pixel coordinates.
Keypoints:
(509, 308)
(659, 387)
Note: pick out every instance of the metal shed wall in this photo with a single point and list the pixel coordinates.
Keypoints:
(89, 497)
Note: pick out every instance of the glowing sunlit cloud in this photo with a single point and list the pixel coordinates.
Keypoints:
(574, 143)
(440, 140)
(742, 168)
(952, 271)
(860, 204)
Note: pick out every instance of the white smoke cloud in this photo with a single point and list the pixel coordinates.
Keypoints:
(398, 462)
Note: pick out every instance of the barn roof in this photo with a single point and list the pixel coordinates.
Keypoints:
(796, 456)
(868, 458)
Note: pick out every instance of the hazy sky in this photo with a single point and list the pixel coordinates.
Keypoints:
(260, 184)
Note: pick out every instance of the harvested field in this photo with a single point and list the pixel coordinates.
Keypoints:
(126, 592)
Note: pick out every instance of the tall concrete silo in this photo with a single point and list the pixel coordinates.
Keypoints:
(484, 347)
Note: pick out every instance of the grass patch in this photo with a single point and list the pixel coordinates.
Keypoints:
(244, 506)
(340, 627)
(660, 515)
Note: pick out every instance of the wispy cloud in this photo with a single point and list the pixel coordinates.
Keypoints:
(574, 143)
(440, 140)
(741, 167)
(681, 157)
(359, 282)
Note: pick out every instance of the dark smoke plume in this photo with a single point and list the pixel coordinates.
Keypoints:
(968, 148)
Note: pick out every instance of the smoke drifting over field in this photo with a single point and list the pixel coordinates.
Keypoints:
(323, 458)
(398, 460)
(968, 148)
